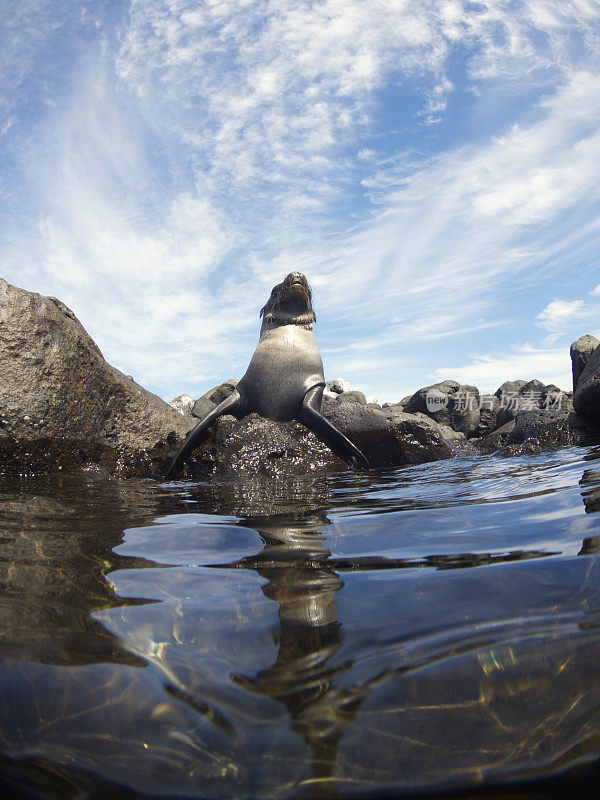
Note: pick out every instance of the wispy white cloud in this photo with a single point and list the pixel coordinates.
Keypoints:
(558, 313)
(205, 149)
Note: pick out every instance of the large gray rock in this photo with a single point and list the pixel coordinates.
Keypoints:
(61, 404)
(255, 447)
(518, 396)
(488, 414)
(338, 385)
(183, 403)
(540, 429)
(213, 397)
(261, 447)
(391, 440)
(352, 397)
(460, 409)
(456, 441)
(497, 440)
(581, 350)
(586, 399)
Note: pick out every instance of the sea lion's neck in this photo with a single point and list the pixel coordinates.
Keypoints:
(268, 326)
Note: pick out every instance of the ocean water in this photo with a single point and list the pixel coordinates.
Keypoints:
(432, 629)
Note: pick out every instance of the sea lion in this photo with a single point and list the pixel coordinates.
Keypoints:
(284, 379)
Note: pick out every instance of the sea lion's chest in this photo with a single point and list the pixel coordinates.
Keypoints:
(285, 365)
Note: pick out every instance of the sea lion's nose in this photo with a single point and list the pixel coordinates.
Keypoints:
(296, 277)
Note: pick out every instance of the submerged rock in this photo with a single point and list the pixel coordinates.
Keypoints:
(62, 404)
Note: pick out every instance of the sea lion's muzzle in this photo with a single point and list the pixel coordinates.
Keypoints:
(295, 285)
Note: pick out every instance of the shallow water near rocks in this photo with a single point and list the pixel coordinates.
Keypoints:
(337, 635)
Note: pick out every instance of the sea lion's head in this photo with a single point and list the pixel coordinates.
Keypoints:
(290, 303)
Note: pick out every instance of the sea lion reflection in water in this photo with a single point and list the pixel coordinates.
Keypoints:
(284, 379)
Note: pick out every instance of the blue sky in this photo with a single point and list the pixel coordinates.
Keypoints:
(432, 167)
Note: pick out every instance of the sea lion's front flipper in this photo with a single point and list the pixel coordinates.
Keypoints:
(310, 415)
(231, 405)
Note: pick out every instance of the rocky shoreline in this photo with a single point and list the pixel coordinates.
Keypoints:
(63, 407)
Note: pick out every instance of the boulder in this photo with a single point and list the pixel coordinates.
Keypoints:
(540, 429)
(393, 408)
(552, 428)
(221, 392)
(458, 407)
(488, 414)
(518, 396)
(389, 440)
(581, 350)
(257, 446)
(352, 397)
(62, 404)
(202, 406)
(213, 397)
(456, 441)
(586, 398)
(497, 440)
(183, 403)
(338, 385)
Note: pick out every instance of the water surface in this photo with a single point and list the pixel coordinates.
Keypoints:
(336, 635)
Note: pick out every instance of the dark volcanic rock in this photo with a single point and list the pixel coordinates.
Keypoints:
(554, 428)
(586, 399)
(392, 408)
(581, 350)
(61, 404)
(540, 429)
(388, 441)
(338, 385)
(508, 397)
(213, 397)
(496, 440)
(518, 396)
(461, 412)
(257, 446)
(201, 407)
(488, 414)
(352, 397)
(456, 441)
